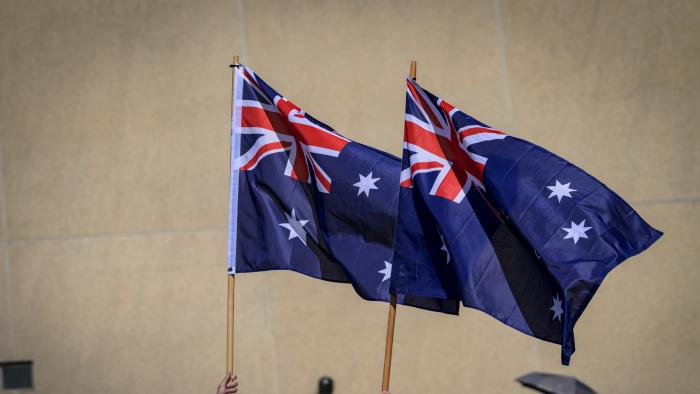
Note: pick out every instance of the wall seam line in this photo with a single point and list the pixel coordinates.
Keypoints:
(504, 64)
(117, 235)
(6, 256)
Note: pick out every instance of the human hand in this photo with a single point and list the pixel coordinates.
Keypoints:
(229, 385)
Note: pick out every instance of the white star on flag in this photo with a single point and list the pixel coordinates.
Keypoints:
(366, 184)
(295, 226)
(576, 231)
(556, 307)
(560, 190)
(386, 271)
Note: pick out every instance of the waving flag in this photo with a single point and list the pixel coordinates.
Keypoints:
(502, 224)
(306, 199)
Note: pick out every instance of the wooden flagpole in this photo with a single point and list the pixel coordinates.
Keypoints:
(229, 323)
(231, 278)
(389, 343)
(392, 308)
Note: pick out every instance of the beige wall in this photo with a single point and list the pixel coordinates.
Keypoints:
(114, 122)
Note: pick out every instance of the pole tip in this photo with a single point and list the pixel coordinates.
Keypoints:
(413, 69)
(235, 61)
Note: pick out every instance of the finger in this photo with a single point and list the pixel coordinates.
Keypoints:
(226, 378)
(232, 385)
(234, 378)
(231, 391)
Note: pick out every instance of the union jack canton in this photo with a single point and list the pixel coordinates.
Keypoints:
(437, 145)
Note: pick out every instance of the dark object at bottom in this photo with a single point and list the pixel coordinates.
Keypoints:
(325, 385)
(554, 384)
(16, 375)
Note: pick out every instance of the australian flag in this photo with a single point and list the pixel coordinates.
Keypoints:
(306, 199)
(502, 224)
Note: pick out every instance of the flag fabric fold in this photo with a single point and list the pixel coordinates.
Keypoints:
(306, 199)
(502, 224)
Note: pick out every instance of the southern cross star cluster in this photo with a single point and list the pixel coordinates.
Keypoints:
(367, 183)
